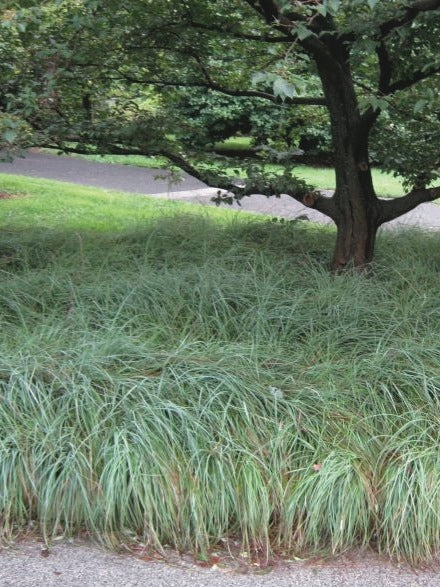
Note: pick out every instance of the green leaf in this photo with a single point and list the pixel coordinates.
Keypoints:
(303, 32)
(282, 88)
(9, 135)
(259, 77)
(372, 3)
(284, 5)
(375, 103)
(378, 103)
(333, 6)
(420, 105)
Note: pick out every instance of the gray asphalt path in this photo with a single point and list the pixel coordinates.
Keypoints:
(425, 216)
(139, 180)
(85, 565)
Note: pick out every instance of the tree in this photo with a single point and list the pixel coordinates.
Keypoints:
(212, 117)
(368, 62)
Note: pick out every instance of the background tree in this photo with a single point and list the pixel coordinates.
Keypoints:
(211, 117)
(370, 63)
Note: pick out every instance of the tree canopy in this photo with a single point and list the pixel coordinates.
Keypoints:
(87, 75)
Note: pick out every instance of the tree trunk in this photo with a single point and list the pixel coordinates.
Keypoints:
(357, 207)
(356, 236)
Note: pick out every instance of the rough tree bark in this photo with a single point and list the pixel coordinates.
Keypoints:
(357, 208)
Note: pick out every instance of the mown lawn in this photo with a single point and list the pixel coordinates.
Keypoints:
(180, 375)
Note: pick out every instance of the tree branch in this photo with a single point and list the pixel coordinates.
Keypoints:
(266, 8)
(211, 85)
(300, 100)
(417, 76)
(313, 101)
(316, 201)
(285, 23)
(178, 160)
(407, 15)
(391, 209)
(385, 68)
(239, 35)
(310, 199)
(385, 88)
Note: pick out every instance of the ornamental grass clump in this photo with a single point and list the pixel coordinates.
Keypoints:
(193, 380)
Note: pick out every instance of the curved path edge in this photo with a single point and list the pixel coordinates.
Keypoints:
(156, 182)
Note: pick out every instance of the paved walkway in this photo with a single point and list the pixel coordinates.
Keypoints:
(137, 180)
(85, 565)
(140, 180)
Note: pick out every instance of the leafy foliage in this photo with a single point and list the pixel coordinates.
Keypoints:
(210, 117)
(157, 78)
(77, 30)
(407, 137)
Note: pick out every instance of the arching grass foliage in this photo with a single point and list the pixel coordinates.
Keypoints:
(194, 376)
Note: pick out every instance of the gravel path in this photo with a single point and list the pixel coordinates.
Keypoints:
(140, 180)
(84, 565)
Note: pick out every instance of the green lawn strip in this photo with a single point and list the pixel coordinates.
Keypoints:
(56, 204)
(176, 377)
(235, 144)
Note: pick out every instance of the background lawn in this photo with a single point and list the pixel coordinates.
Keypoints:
(386, 185)
(179, 375)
